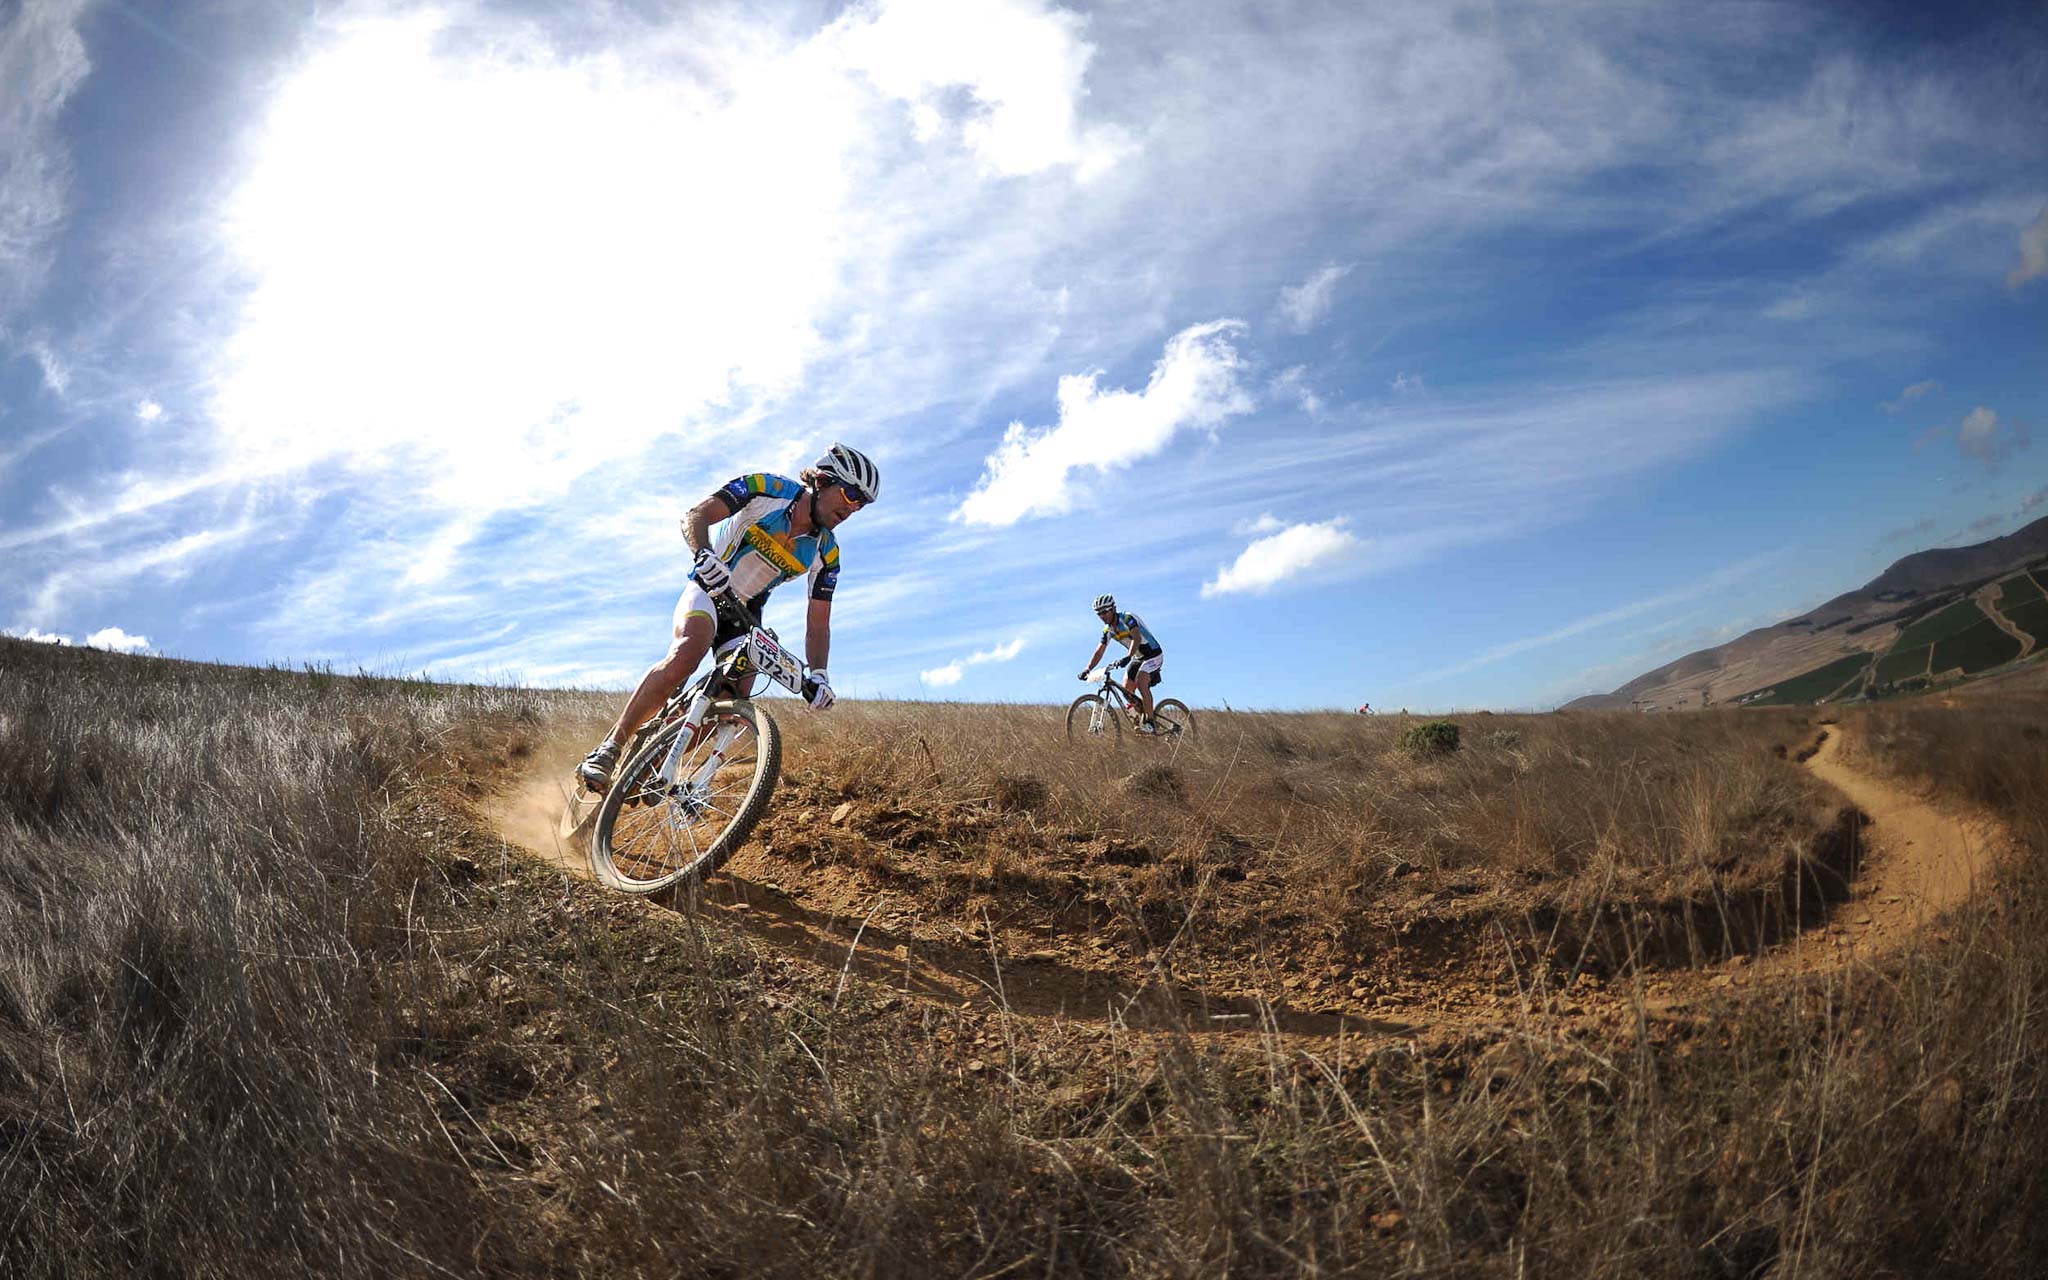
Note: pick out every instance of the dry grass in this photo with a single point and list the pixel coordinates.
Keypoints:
(271, 1004)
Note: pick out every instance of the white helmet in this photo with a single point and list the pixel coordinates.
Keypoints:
(1104, 602)
(852, 468)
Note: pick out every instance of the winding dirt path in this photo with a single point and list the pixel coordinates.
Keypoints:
(1926, 859)
(1918, 861)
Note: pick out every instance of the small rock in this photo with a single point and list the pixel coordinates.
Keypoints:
(977, 1066)
(1941, 1111)
(841, 814)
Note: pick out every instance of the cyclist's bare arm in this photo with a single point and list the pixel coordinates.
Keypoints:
(697, 524)
(1097, 657)
(818, 633)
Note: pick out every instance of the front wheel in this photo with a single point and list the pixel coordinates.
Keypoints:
(659, 827)
(1092, 716)
(1174, 719)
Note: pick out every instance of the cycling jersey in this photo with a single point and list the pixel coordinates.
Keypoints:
(1127, 629)
(758, 547)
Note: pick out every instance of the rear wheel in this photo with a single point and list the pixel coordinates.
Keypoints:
(1093, 716)
(654, 832)
(1174, 719)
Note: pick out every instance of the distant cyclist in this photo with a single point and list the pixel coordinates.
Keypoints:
(1146, 656)
(776, 528)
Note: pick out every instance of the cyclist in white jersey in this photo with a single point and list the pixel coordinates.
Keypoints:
(1147, 657)
(775, 529)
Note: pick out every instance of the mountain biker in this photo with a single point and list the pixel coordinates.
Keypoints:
(776, 528)
(1143, 670)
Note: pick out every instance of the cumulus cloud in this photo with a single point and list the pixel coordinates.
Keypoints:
(117, 640)
(40, 637)
(1303, 306)
(1273, 559)
(1989, 439)
(954, 671)
(1196, 385)
(1909, 395)
(147, 410)
(2033, 262)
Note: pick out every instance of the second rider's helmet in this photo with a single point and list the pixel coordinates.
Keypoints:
(853, 469)
(1107, 602)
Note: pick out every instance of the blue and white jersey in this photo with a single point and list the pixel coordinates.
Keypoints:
(758, 547)
(1129, 630)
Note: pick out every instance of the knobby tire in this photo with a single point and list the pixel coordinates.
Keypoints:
(694, 861)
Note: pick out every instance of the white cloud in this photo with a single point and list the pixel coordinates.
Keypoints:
(1195, 385)
(570, 294)
(2033, 263)
(1294, 382)
(1303, 306)
(56, 373)
(1266, 523)
(1407, 384)
(1273, 559)
(117, 640)
(1021, 62)
(1989, 439)
(148, 410)
(952, 672)
(42, 63)
(40, 637)
(1909, 395)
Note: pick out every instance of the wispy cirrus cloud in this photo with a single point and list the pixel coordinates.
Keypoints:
(1909, 394)
(1279, 556)
(1303, 306)
(42, 63)
(1197, 385)
(1712, 582)
(2033, 263)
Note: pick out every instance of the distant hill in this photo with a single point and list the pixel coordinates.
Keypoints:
(1946, 611)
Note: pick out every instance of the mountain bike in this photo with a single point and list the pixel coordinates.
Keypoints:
(698, 776)
(1102, 713)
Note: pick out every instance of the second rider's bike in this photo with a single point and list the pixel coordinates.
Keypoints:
(1102, 714)
(698, 777)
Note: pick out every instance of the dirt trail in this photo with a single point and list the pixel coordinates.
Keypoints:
(1920, 861)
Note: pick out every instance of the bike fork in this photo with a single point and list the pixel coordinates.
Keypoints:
(685, 737)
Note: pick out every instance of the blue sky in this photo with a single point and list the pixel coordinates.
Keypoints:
(1433, 354)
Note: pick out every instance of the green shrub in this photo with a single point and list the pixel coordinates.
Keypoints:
(1430, 738)
(1499, 739)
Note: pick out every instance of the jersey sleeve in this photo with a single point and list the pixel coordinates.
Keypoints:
(740, 490)
(825, 573)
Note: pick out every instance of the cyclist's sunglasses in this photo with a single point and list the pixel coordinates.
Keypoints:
(854, 497)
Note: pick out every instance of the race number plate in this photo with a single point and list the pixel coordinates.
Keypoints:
(773, 661)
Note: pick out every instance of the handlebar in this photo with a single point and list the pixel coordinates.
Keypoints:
(741, 611)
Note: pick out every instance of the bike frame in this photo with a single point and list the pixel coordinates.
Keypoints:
(1112, 693)
(758, 653)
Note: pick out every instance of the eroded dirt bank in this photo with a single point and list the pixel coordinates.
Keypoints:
(1910, 859)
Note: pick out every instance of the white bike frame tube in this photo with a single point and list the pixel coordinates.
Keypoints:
(716, 760)
(699, 707)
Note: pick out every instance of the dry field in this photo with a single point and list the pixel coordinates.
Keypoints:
(1587, 997)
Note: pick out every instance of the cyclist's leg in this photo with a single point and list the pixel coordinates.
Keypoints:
(692, 629)
(1144, 683)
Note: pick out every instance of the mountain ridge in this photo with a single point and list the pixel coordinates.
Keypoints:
(1864, 620)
